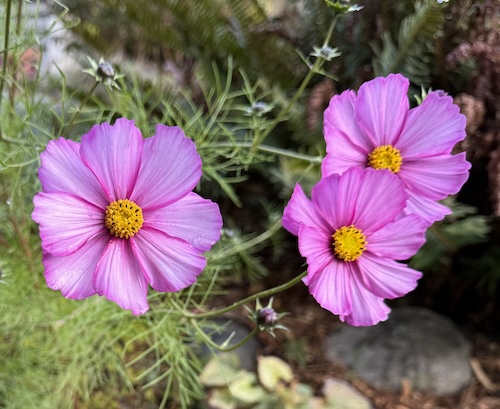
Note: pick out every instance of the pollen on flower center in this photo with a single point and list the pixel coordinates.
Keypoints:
(348, 243)
(123, 218)
(385, 157)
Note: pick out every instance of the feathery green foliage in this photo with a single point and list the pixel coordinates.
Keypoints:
(412, 54)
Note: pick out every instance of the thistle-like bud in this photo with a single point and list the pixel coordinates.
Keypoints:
(325, 52)
(266, 318)
(103, 72)
(343, 6)
(259, 108)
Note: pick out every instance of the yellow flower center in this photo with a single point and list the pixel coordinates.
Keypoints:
(123, 218)
(385, 157)
(349, 243)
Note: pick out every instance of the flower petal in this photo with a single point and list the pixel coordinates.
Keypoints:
(169, 264)
(341, 155)
(66, 222)
(331, 288)
(428, 210)
(73, 274)
(316, 246)
(381, 108)
(381, 197)
(113, 153)
(346, 144)
(367, 309)
(436, 177)
(62, 170)
(432, 128)
(300, 210)
(170, 169)
(387, 278)
(335, 197)
(191, 218)
(398, 240)
(118, 277)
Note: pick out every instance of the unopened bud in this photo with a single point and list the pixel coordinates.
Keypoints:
(267, 317)
(105, 70)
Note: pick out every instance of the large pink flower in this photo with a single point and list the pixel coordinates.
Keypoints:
(351, 233)
(376, 128)
(117, 212)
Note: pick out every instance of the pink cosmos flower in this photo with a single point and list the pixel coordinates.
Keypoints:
(376, 128)
(351, 235)
(117, 213)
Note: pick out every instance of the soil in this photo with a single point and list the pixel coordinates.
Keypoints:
(302, 347)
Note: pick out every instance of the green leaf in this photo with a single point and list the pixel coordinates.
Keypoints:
(220, 371)
(341, 395)
(245, 388)
(273, 371)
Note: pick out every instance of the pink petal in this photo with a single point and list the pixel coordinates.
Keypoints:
(387, 278)
(192, 218)
(380, 198)
(436, 177)
(300, 210)
(73, 274)
(367, 309)
(170, 169)
(398, 240)
(432, 128)
(335, 197)
(113, 153)
(62, 170)
(331, 288)
(381, 108)
(169, 264)
(428, 210)
(119, 278)
(316, 246)
(339, 119)
(341, 155)
(66, 222)
(346, 144)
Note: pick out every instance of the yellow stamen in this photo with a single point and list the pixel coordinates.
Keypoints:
(123, 218)
(349, 243)
(385, 157)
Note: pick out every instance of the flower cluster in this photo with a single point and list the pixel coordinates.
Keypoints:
(117, 213)
(385, 169)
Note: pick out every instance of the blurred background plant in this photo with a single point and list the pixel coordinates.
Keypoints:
(248, 80)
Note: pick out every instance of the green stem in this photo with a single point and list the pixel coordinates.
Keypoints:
(261, 294)
(6, 49)
(209, 341)
(77, 112)
(248, 244)
(305, 82)
(15, 63)
(268, 149)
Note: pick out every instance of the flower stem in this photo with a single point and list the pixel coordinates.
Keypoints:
(77, 112)
(268, 149)
(318, 63)
(261, 294)
(223, 348)
(15, 63)
(5, 48)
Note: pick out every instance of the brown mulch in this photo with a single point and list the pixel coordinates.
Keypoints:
(310, 325)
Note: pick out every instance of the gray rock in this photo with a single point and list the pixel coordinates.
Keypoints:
(246, 354)
(414, 344)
